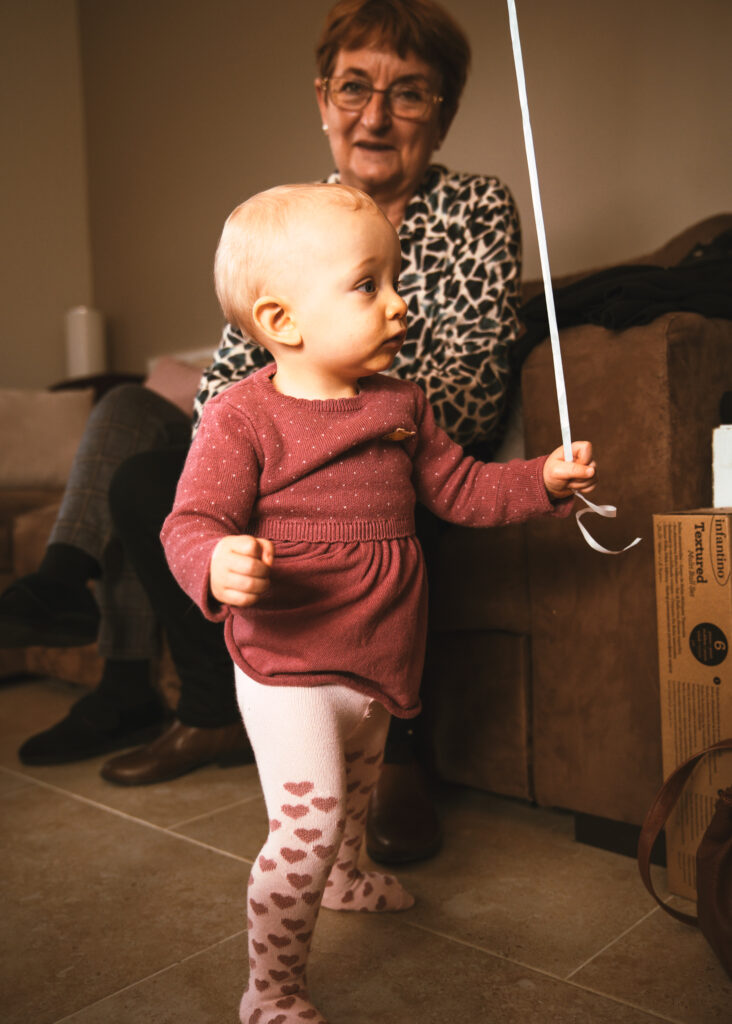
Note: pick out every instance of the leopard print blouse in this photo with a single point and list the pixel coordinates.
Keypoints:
(460, 278)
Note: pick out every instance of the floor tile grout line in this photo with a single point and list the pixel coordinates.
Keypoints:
(612, 942)
(216, 810)
(626, 1002)
(149, 977)
(20, 775)
(13, 774)
(131, 817)
(482, 949)
(545, 973)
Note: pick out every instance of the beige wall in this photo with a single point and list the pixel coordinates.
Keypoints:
(45, 265)
(191, 106)
(630, 113)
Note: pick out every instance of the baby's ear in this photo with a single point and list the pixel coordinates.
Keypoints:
(272, 317)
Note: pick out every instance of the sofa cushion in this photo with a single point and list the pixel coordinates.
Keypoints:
(175, 380)
(14, 503)
(41, 431)
(31, 531)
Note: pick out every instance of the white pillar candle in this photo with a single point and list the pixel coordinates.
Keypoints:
(85, 342)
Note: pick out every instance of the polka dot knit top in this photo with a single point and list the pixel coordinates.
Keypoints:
(333, 484)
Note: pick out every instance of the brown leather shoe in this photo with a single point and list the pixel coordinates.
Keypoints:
(402, 823)
(180, 749)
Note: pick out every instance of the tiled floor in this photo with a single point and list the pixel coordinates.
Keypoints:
(122, 906)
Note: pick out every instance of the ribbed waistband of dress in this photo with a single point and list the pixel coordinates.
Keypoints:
(332, 530)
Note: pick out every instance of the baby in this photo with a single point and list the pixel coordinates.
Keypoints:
(294, 525)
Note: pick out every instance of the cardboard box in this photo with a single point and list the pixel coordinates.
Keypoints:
(693, 552)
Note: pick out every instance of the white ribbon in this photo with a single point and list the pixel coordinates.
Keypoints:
(607, 511)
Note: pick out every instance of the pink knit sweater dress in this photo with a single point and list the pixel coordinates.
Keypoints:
(333, 485)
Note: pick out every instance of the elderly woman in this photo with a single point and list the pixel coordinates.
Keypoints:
(391, 73)
(390, 77)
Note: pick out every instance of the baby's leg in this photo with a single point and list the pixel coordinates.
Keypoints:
(349, 888)
(298, 736)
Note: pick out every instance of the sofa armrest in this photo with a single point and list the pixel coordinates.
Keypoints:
(668, 255)
(647, 398)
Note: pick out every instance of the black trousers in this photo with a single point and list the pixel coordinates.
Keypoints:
(141, 495)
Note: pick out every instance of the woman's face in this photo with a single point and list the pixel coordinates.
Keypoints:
(373, 150)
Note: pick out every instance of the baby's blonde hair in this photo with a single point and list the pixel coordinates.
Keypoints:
(258, 237)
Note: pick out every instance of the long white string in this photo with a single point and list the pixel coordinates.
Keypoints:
(607, 511)
(541, 234)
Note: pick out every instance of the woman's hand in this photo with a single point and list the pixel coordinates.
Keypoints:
(563, 479)
(239, 572)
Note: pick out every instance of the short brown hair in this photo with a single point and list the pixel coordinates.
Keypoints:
(421, 27)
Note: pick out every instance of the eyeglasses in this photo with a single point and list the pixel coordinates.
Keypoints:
(404, 99)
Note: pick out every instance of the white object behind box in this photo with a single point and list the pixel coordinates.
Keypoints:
(722, 466)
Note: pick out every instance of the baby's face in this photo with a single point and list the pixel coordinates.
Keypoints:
(343, 293)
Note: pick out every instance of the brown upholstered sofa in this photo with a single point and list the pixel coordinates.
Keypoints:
(543, 661)
(542, 675)
(41, 430)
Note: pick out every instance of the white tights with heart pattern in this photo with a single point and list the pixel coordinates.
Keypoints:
(319, 751)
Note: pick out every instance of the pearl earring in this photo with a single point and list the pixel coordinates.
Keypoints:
(324, 127)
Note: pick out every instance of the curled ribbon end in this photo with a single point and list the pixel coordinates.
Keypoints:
(607, 512)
